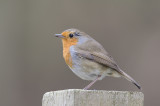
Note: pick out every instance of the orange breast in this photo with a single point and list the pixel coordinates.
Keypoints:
(67, 43)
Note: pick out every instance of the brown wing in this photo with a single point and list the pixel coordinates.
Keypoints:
(99, 58)
(94, 51)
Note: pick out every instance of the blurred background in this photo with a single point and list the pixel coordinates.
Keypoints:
(31, 61)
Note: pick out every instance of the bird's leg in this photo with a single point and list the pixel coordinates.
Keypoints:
(88, 86)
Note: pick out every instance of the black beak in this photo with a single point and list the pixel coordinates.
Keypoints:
(59, 35)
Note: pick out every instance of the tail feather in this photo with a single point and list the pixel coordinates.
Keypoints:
(129, 78)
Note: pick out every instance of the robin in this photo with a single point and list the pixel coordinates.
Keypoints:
(88, 59)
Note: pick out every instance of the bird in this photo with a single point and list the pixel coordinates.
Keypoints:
(88, 59)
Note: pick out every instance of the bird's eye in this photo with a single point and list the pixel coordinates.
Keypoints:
(71, 35)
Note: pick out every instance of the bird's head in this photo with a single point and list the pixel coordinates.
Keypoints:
(72, 37)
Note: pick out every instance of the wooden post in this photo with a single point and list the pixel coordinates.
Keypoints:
(78, 97)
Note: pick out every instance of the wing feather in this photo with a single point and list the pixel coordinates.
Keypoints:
(99, 58)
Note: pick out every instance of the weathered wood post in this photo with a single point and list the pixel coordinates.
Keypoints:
(78, 97)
